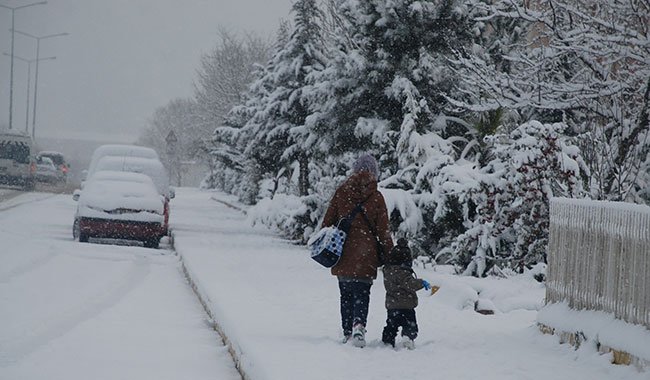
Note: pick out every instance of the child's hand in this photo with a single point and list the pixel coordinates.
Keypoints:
(426, 284)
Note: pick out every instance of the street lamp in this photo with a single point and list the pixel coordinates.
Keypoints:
(11, 75)
(38, 48)
(29, 76)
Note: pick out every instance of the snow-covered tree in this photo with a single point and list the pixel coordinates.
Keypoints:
(584, 63)
(384, 92)
(389, 74)
(512, 193)
(275, 133)
(223, 79)
(183, 118)
(225, 73)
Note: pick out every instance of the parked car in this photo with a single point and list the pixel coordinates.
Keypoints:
(118, 150)
(17, 166)
(46, 171)
(150, 167)
(120, 205)
(59, 161)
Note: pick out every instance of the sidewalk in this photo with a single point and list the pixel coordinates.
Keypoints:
(279, 312)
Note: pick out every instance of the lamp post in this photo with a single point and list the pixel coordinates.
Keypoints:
(11, 75)
(29, 76)
(38, 48)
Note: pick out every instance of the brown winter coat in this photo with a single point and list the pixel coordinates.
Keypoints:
(401, 284)
(360, 258)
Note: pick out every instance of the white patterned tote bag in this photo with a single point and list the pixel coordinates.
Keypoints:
(327, 246)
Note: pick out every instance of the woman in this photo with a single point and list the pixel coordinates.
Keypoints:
(368, 236)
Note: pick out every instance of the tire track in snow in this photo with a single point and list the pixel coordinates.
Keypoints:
(28, 267)
(14, 351)
(19, 201)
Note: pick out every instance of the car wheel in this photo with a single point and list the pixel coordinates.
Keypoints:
(152, 243)
(83, 238)
(75, 229)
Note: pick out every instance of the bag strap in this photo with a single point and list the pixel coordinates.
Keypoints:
(345, 223)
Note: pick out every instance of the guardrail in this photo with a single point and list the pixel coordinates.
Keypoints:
(599, 258)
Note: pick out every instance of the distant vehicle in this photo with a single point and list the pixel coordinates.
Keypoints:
(17, 167)
(60, 163)
(120, 205)
(46, 171)
(118, 150)
(153, 168)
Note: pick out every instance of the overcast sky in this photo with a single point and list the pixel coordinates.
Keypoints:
(121, 61)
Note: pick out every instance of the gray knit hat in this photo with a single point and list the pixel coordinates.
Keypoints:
(367, 163)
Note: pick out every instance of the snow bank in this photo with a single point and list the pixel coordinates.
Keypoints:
(502, 295)
(600, 326)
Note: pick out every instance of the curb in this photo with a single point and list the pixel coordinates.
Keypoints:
(228, 205)
(204, 300)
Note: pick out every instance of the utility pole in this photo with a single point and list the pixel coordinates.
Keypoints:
(38, 48)
(11, 75)
(29, 76)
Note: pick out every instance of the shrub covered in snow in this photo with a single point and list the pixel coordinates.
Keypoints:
(510, 229)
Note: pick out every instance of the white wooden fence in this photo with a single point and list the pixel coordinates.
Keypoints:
(599, 258)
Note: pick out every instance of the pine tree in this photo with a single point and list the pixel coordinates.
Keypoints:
(393, 71)
(274, 135)
(386, 92)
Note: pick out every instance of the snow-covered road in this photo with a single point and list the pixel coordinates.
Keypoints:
(7, 193)
(91, 311)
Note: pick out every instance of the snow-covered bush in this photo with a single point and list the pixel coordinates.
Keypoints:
(510, 229)
(291, 216)
(279, 213)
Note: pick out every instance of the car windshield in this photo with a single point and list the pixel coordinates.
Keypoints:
(56, 158)
(11, 150)
(45, 161)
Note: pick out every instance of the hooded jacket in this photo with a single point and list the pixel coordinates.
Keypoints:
(360, 257)
(401, 284)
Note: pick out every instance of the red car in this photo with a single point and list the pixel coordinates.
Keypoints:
(120, 205)
(152, 168)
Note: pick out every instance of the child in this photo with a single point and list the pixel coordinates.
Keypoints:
(401, 284)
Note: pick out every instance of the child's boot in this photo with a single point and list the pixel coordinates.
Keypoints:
(387, 337)
(408, 343)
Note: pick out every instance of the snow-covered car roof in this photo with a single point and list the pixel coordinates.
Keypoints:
(150, 167)
(50, 153)
(120, 150)
(120, 198)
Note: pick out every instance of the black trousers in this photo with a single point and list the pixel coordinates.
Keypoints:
(355, 298)
(404, 318)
